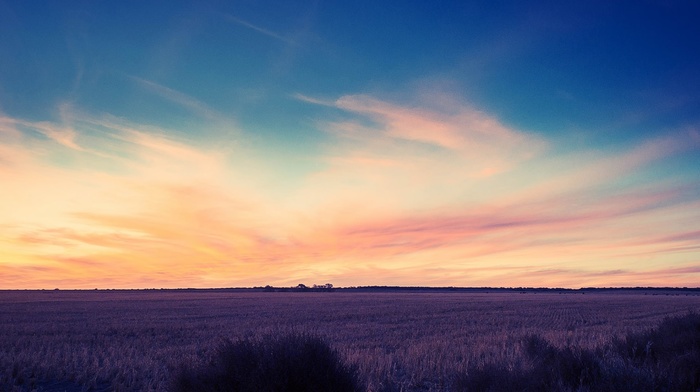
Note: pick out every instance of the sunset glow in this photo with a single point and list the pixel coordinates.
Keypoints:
(248, 146)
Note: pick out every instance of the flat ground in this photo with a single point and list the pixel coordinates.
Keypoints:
(136, 340)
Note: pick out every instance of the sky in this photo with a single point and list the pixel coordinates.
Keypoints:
(168, 144)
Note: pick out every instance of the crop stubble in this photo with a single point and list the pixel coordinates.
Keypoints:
(135, 340)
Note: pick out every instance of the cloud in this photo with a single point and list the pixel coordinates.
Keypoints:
(601, 276)
(188, 102)
(9, 137)
(260, 30)
(457, 131)
(489, 229)
(480, 144)
(149, 203)
(398, 195)
(403, 185)
(8, 128)
(63, 136)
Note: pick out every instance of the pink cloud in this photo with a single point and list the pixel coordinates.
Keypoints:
(400, 195)
(462, 128)
(62, 135)
(479, 144)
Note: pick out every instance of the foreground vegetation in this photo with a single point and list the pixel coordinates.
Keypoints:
(664, 359)
(294, 362)
(141, 341)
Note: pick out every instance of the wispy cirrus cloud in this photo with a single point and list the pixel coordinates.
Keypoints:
(541, 208)
(161, 205)
(480, 144)
(468, 128)
(487, 230)
(685, 276)
(188, 102)
(260, 30)
(62, 134)
(397, 198)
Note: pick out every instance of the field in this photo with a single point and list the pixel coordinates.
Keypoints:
(137, 340)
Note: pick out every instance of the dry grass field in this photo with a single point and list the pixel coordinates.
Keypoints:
(137, 340)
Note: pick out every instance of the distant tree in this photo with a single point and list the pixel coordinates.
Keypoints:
(301, 286)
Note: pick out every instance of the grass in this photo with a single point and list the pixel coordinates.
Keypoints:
(140, 340)
(273, 363)
(666, 358)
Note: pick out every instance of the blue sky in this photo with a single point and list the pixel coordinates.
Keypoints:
(553, 66)
(312, 108)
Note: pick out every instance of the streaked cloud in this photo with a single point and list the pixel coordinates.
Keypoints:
(457, 133)
(402, 195)
(184, 100)
(260, 30)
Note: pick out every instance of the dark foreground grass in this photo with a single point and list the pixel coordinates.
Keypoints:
(128, 341)
(295, 362)
(664, 359)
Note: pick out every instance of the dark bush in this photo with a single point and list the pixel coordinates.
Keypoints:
(496, 378)
(664, 359)
(549, 369)
(674, 336)
(293, 362)
(671, 352)
(569, 366)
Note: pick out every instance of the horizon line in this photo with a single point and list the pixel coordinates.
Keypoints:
(319, 288)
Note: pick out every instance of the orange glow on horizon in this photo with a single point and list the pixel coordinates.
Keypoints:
(419, 198)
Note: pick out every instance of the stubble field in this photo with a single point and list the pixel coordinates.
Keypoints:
(137, 340)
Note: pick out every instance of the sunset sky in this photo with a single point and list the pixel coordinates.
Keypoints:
(216, 144)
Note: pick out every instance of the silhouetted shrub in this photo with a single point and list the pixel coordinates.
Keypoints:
(674, 336)
(671, 352)
(550, 369)
(272, 364)
(572, 367)
(497, 377)
(664, 359)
